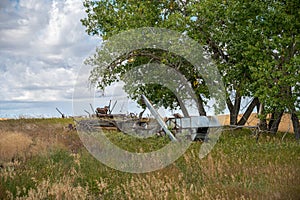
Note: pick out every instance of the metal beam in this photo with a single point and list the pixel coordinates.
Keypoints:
(112, 107)
(158, 118)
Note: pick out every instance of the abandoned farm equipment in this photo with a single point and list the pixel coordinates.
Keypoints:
(195, 127)
(104, 119)
(62, 115)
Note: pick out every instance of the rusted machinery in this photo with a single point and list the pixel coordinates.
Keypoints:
(196, 127)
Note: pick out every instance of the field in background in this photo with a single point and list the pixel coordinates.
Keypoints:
(42, 158)
(284, 126)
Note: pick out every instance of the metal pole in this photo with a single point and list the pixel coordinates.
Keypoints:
(158, 118)
(113, 107)
(92, 108)
(62, 115)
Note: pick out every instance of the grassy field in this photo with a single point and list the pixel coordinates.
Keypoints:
(42, 159)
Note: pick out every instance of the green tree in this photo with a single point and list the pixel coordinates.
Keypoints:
(107, 18)
(254, 43)
(198, 20)
(226, 27)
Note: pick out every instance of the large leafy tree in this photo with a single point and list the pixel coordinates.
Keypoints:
(279, 67)
(201, 20)
(226, 27)
(254, 43)
(107, 18)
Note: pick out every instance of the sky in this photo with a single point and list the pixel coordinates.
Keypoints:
(42, 47)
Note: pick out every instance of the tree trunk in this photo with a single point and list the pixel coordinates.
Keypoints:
(257, 107)
(248, 112)
(262, 123)
(296, 125)
(200, 106)
(271, 121)
(230, 107)
(275, 124)
(183, 108)
(234, 109)
(237, 106)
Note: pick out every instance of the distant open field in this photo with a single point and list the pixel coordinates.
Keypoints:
(284, 126)
(42, 159)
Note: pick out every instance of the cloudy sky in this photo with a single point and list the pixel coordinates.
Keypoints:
(42, 47)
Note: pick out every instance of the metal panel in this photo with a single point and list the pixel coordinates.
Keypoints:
(193, 122)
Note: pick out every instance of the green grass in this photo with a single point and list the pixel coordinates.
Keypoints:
(238, 167)
(38, 120)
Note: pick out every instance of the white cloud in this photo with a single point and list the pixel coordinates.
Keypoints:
(42, 46)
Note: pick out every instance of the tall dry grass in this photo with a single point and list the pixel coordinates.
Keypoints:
(13, 146)
(214, 179)
(237, 168)
(46, 189)
(24, 138)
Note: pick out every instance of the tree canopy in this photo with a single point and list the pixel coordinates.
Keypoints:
(254, 43)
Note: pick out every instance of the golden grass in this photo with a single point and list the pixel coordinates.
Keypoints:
(61, 189)
(14, 145)
(24, 138)
(237, 168)
(284, 126)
